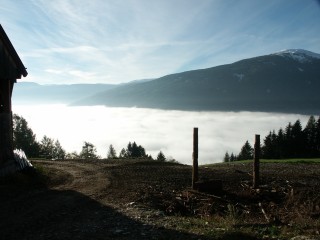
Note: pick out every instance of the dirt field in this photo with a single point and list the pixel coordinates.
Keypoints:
(136, 199)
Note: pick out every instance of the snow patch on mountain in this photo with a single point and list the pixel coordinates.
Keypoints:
(298, 54)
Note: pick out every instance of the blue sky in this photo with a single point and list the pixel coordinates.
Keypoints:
(104, 41)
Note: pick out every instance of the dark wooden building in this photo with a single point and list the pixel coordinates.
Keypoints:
(11, 69)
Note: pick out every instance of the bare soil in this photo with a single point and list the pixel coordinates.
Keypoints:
(140, 199)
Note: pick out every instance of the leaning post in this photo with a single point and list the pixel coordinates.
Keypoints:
(195, 158)
(256, 162)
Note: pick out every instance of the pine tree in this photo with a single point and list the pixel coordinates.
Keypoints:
(58, 151)
(47, 147)
(233, 157)
(280, 142)
(298, 140)
(123, 153)
(293, 142)
(142, 151)
(135, 151)
(24, 138)
(111, 152)
(88, 151)
(129, 150)
(246, 152)
(288, 139)
(268, 147)
(161, 157)
(318, 138)
(310, 132)
(226, 157)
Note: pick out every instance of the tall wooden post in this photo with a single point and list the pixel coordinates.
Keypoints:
(256, 162)
(195, 157)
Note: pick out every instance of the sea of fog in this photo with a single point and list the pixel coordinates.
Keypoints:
(165, 130)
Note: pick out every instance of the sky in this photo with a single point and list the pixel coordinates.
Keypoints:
(116, 41)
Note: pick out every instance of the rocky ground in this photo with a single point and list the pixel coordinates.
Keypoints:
(140, 199)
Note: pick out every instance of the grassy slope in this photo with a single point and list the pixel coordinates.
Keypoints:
(291, 160)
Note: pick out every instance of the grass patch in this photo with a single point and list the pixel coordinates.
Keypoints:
(218, 227)
(290, 160)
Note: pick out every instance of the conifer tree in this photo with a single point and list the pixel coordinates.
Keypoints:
(111, 152)
(310, 132)
(47, 147)
(24, 138)
(268, 149)
(226, 157)
(161, 157)
(298, 141)
(317, 136)
(58, 151)
(288, 141)
(88, 151)
(233, 157)
(246, 152)
(135, 151)
(123, 153)
(279, 151)
(293, 142)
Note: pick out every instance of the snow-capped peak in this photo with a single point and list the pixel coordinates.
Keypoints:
(298, 54)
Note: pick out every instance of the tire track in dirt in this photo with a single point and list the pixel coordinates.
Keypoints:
(89, 179)
(77, 207)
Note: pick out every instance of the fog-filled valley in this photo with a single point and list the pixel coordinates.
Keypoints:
(228, 103)
(156, 130)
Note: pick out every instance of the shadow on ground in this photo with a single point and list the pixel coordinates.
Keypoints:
(51, 214)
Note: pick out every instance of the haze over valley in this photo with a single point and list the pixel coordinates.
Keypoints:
(150, 71)
(286, 81)
(107, 107)
(229, 104)
(166, 130)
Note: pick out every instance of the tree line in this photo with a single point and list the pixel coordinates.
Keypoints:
(25, 139)
(291, 142)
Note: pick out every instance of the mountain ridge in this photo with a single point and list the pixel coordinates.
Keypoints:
(286, 81)
(298, 52)
(264, 83)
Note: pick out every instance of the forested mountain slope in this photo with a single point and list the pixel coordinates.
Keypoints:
(287, 81)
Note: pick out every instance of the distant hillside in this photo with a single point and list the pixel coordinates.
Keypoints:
(28, 92)
(288, 81)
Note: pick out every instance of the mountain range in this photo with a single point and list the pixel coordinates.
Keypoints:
(287, 81)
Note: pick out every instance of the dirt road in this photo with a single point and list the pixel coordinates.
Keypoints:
(77, 204)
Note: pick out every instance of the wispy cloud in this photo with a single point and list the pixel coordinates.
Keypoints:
(125, 40)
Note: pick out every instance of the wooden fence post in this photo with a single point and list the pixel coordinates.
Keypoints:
(256, 162)
(195, 157)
